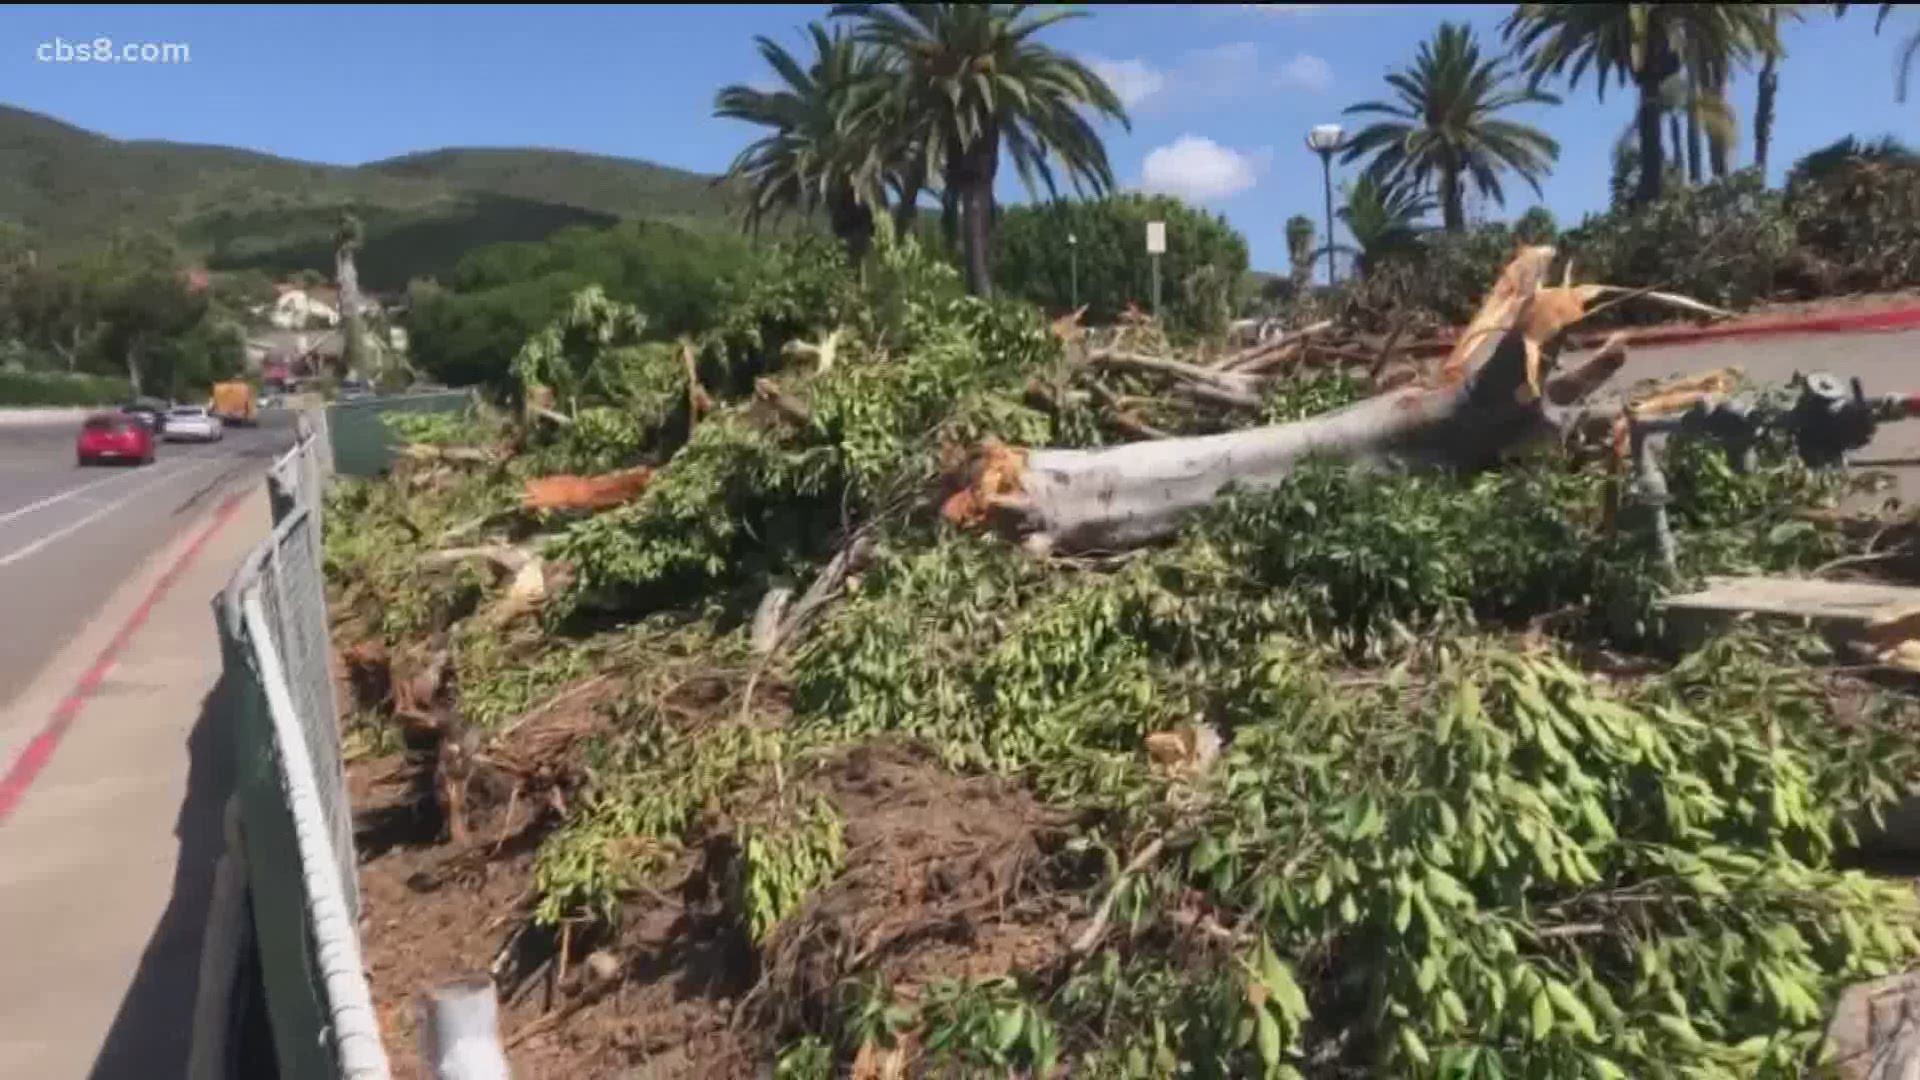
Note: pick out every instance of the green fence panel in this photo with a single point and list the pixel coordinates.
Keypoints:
(362, 445)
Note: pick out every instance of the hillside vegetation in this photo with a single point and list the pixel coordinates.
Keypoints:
(238, 209)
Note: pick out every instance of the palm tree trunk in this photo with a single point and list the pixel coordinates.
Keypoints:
(1763, 114)
(911, 184)
(1693, 133)
(1653, 158)
(976, 219)
(950, 215)
(973, 170)
(1763, 105)
(852, 225)
(1719, 149)
(1452, 204)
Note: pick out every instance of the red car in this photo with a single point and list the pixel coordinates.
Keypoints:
(114, 437)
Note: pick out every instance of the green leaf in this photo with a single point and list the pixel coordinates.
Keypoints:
(1679, 1028)
(1411, 1045)
(1370, 821)
(1541, 1018)
(1603, 1069)
(1205, 854)
(1574, 1009)
(1269, 1039)
(1007, 1027)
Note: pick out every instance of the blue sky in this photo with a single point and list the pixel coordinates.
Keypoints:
(1221, 96)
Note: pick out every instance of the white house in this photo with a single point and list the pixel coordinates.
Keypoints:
(297, 309)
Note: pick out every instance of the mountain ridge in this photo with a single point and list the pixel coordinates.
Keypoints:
(235, 208)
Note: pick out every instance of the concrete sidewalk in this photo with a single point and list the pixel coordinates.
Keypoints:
(110, 830)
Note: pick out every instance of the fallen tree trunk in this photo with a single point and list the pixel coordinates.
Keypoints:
(1087, 500)
(1483, 402)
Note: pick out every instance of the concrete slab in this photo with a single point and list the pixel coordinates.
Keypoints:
(1848, 602)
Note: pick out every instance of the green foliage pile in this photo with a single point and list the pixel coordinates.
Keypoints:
(1200, 275)
(924, 367)
(52, 388)
(1430, 844)
(1859, 218)
(1845, 222)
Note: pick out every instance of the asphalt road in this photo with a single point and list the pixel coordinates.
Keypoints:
(69, 536)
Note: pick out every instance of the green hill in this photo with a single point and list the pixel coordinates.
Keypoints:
(73, 189)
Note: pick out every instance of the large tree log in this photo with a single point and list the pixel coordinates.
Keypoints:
(1484, 401)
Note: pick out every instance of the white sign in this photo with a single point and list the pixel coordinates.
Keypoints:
(1156, 238)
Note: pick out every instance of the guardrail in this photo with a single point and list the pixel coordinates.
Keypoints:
(294, 862)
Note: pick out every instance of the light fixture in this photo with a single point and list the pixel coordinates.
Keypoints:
(1324, 139)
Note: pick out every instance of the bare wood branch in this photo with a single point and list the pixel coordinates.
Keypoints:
(1111, 358)
(782, 402)
(1248, 357)
(1262, 364)
(1095, 929)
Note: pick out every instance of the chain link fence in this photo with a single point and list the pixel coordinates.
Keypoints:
(295, 817)
(362, 443)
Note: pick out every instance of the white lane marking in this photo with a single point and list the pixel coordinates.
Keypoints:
(60, 497)
(21, 553)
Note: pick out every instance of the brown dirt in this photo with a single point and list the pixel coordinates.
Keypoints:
(945, 877)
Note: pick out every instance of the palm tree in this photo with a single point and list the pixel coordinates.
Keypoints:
(1768, 90)
(969, 79)
(1908, 48)
(1443, 128)
(821, 150)
(1644, 45)
(1300, 230)
(1384, 219)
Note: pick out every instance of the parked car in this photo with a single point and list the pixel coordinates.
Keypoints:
(114, 437)
(193, 423)
(151, 413)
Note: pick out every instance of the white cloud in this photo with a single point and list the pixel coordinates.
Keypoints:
(1307, 72)
(1195, 167)
(1283, 9)
(1133, 80)
(1211, 78)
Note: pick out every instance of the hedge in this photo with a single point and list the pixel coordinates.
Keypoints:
(56, 389)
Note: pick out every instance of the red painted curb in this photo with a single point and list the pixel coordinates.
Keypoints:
(26, 768)
(1886, 319)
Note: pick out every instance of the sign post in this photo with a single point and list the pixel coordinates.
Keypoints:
(1156, 247)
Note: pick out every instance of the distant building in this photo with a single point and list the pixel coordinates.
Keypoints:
(293, 353)
(298, 308)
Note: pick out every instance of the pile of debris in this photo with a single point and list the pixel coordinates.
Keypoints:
(764, 746)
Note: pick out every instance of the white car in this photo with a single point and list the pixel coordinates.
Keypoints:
(192, 423)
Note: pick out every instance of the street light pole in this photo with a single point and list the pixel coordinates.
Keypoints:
(1073, 268)
(1324, 139)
